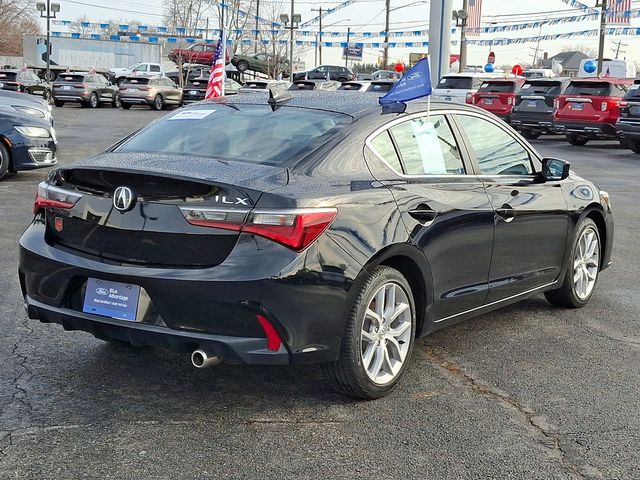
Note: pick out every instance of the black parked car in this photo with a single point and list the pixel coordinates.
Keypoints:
(26, 142)
(337, 235)
(326, 72)
(88, 89)
(532, 113)
(628, 125)
(196, 88)
(24, 81)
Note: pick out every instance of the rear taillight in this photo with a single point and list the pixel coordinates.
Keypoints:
(556, 104)
(609, 104)
(81, 85)
(469, 98)
(624, 103)
(49, 196)
(295, 229)
(144, 89)
(510, 101)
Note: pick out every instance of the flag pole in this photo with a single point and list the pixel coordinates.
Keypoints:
(224, 48)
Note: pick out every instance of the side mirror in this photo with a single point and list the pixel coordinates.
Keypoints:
(554, 169)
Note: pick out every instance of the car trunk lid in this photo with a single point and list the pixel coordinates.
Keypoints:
(161, 227)
(537, 96)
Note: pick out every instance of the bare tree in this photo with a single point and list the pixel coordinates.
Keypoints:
(590, 52)
(17, 17)
(78, 27)
(190, 14)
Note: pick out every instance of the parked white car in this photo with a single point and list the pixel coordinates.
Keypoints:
(460, 87)
(143, 69)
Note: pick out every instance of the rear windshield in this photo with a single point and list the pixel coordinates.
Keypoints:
(198, 82)
(542, 88)
(259, 85)
(380, 87)
(303, 86)
(456, 83)
(498, 87)
(596, 89)
(8, 75)
(350, 86)
(137, 81)
(233, 131)
(70, 78)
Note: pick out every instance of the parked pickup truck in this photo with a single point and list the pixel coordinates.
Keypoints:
(139, 69)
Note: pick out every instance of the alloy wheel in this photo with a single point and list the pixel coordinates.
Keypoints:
(386, 333)
(586, 263)
(93, 101)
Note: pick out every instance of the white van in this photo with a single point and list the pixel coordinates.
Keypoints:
(610, 68)
(460, 87)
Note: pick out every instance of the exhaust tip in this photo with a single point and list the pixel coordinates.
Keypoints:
(202, 359)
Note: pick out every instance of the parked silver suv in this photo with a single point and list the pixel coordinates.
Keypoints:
(157, 92)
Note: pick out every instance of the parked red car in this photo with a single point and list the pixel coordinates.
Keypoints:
(589, 108)
(498, 96)
(201, 53)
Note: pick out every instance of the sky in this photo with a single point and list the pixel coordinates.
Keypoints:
(368, 15)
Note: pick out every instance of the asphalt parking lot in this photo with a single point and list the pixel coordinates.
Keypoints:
(530, 391)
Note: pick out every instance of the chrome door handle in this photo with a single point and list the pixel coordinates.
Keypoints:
(506, 213)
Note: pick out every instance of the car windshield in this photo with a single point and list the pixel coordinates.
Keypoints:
(498, 87)
(456, 83)
(597, 89)
(542, 88)
(248, 133)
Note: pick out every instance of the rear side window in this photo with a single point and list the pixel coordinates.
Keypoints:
(233, 131)
(497, 151)
(155, 68)
(498, 87)
(542, 88)
(383, 146)
(595, 89)
(427, 147)
(456, 83)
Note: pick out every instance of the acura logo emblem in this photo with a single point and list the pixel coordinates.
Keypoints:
(123, 199)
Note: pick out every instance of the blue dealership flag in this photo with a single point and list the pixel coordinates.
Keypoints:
(416, 83)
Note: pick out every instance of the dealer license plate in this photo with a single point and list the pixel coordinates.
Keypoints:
(111, 299)
(488, 101)
(577, 106)
(532, 103)
(193, 92)
(448, 99)
(66, 87)
(1, 85)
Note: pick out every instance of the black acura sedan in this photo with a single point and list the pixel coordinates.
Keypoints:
(316, 227)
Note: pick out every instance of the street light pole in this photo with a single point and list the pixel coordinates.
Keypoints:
(463, 38)
(603, 28)
(255, 48)
(46, 9)
(319, 36)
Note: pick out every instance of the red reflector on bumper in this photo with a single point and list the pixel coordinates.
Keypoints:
(273, 339)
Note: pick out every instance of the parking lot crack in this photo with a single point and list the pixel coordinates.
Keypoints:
(555, 447)
(20, 392)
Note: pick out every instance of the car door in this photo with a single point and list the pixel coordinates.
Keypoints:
(531, 215)
(319, 73)
(106, 93)
(444, 206)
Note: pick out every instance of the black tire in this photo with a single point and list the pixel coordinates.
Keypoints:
(531, 134)
(46, 95)
(5, 159)
(242, 66)
(577, 140)
(125, 105)
(158, 103)
(342, 79)
(116, 102)
(624, 143)
(348, 375)
(566, 295)
(58, 103)
(634, 145)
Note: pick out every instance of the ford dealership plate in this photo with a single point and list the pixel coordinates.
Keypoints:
(111, 299)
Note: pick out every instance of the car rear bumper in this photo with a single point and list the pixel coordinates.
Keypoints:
(66, 97)
(543, 122)
(590, 129)
(628, 130)
(188, 308)
(138, 100)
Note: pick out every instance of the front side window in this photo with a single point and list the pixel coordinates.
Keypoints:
(496, 150)
(428, 147)
(140, 68)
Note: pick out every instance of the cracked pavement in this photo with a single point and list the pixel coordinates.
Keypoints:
(527, 392)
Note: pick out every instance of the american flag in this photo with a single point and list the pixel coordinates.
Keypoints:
(215, 87)
(616, 10)
(474, 12)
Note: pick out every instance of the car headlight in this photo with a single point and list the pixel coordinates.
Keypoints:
(28, 110)
(33, 132)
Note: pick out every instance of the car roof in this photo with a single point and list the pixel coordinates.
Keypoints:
(338, 101)
(603, 79)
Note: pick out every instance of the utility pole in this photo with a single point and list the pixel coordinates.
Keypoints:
(618, 45)
(463, 37)
(346, 57)
(255, 47)
(603, 29)
(385, 58)
(319, 39)
(291, 43)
